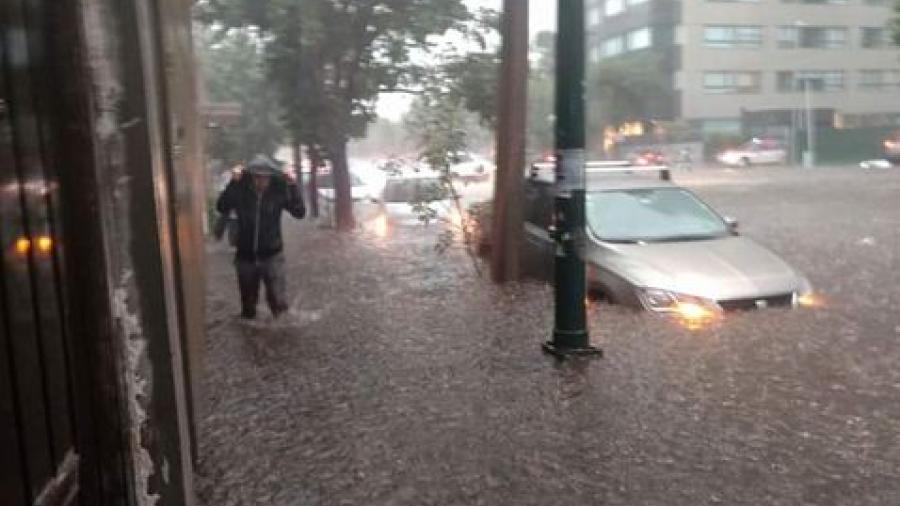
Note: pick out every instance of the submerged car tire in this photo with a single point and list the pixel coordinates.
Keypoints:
(745, 162)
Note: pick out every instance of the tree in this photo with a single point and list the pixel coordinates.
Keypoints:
(352, 50)
(507, 213)
(441, 124)
(541, 85)
(895, 23)
(232, 69)
(625, 88)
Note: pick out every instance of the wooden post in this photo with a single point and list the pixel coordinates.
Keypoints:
(506, 226)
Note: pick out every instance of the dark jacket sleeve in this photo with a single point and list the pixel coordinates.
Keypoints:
(294, 204)
(228, 199)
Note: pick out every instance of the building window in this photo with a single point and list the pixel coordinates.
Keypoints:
(874, 37)
(818, 81)
(613, 7)
(812, 37)
(814, 1)
(636, 2)
(639, 39)
(729, 82)
(879, 80)
(612, 47)
(595, 17)
(732, 36)
(878, 2)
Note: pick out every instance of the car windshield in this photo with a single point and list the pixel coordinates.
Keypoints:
(327, 181)
(651, 215)
(411, 190)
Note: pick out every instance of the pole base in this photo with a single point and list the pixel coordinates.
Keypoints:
(564, 352)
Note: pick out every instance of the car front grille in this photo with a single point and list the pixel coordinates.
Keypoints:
(782, 300)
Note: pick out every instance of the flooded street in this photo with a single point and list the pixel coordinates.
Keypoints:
(400, 378)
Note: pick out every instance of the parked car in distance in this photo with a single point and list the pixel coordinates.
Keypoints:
(892, 148)
(654, 245)
(402, 192)
(754, 152)
(365, 198)
(469, 167)
(648, 157)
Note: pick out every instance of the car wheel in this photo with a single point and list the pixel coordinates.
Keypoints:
(745, 162)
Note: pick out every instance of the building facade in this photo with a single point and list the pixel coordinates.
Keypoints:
(101, 253)
(733, 62)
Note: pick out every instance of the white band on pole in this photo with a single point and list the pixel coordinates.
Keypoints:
(570, 170)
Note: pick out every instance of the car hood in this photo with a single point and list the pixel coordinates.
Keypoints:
(356, 192)
(405, 213)
(720, 269)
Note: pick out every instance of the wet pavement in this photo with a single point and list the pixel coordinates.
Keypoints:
(402, 379)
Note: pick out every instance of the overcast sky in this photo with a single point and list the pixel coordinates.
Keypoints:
(542, 16)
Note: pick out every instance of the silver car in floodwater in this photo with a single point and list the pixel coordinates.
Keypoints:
(654, 245)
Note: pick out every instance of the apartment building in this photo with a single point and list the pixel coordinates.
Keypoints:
(728, 62)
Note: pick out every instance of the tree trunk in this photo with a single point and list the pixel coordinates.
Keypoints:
(343, 197)
(315, 162)
(507, 223)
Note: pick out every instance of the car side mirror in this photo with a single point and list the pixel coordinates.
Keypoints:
(733, 225)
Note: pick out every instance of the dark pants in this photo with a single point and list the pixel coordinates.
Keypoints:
(271, 272)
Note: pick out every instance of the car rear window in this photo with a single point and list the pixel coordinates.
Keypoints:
(327, 181)
(412, 190)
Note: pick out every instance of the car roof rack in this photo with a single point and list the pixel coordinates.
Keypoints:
(545, 171)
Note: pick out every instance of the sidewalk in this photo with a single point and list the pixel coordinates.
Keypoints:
(401, 379)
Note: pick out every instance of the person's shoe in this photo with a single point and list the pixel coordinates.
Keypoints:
(278, 311)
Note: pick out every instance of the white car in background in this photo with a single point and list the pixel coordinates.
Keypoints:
(470, 167)
(365, 196)
(892, 148)
(402, 193)
(755, 152)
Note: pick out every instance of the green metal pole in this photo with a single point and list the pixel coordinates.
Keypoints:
(570, 333)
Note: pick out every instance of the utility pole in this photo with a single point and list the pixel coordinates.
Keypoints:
(507, 223)
(570, 333)
(810, 159)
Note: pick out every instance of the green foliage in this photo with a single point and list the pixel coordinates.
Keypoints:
(895, 23)
(440, 123)
(330, 59)
(232, 68)
(473, 79)
(541, 89)
(625, 89)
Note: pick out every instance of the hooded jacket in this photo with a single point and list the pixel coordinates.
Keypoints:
(259, 216)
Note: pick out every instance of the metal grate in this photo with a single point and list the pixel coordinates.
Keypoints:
(782, 300)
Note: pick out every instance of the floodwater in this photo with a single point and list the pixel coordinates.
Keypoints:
(401, 378)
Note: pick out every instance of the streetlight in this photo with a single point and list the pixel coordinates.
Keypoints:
(570, 333)
(809, 155)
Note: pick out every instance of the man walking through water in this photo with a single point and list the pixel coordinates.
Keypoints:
(258, 194)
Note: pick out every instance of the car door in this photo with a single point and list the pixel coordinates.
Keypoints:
(39, 461)
(539, 245)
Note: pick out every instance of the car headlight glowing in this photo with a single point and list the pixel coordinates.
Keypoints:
(686, 307)
(694, 311)
(809, 299)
